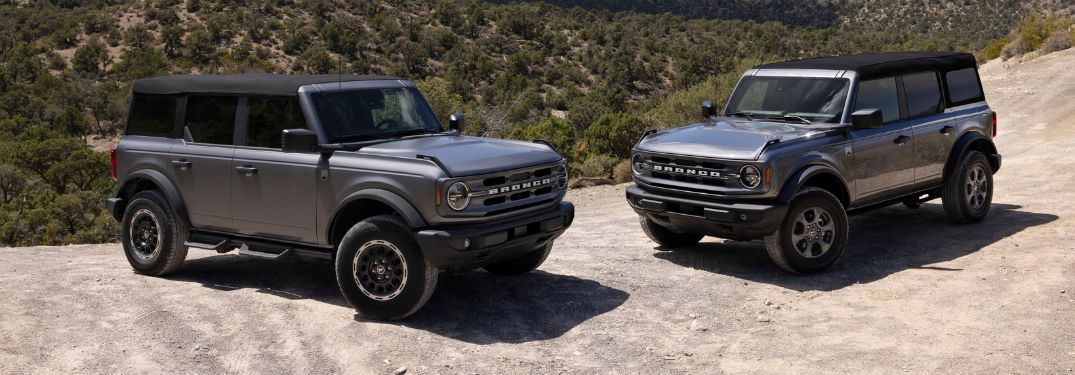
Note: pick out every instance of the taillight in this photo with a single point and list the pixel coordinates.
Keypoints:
(994, 124)
(112, 163)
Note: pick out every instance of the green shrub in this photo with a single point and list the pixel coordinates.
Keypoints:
(994, 49)
(599, 166)
(614, 134)
(557, 131)
(622, 172)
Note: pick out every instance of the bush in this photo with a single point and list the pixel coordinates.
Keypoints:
(1056, 42)
(599, 166)
(622, 172)
(557, 131)
(90, 58)
(994, 49)
(1015, 48)
(614, 134)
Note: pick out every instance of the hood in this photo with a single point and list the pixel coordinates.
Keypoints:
(726, 139)
(468, 156)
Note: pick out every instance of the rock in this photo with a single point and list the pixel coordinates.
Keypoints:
(400, 371)
(764, 319)
(698, 326)
(1062, 291)
(768, 303)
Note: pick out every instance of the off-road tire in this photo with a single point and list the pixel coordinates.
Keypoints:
(384, 234)
(957, 188)
(782, 247)
(666, 237)
(523, 264)
(154, 214)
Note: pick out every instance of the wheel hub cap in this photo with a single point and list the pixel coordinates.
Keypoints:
(380, 270)
(977, 187)
(814, 232)
(144, 234)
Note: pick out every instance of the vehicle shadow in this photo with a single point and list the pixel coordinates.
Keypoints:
(880, 243)
(482, 308)
(475, 307)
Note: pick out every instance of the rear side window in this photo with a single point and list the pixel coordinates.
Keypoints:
(963, 86)
(152, 115)
(269, 116)
(879, 94)
(210, 119)
(923, 94)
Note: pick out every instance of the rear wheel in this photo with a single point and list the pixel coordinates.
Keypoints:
(666, 237)
(968, 191)
(153, 240)
(381, 270)
(523, 264)
(813, 235)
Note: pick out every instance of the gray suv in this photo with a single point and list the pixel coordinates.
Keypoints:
(802, 144)
(356, 169)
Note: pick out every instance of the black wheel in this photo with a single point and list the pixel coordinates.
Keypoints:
(523, 264)
(968, 191)
(666, 237)
(153, 239)
(813, 235)
(381, 270)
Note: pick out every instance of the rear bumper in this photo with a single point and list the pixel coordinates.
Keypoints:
(740, 221)
(115, 208)
(489, 243)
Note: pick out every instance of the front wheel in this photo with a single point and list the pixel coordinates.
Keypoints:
(381, 270)
(813, 235)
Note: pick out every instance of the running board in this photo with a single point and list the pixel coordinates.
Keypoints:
(252, 246)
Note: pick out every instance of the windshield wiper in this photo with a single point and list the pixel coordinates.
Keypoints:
(413, 133)
(741, 114)
(796, 118)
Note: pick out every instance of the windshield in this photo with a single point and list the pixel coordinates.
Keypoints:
(787, 98)
(359, 115)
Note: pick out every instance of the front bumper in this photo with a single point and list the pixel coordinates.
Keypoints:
(489, 243)
(725, 219)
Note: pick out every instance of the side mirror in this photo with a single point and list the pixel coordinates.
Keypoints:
(708, 109)
(299, 141)
(867, 119)
(456, 122)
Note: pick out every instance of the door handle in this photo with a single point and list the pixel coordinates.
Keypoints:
(181, 164)
(901, 140)
(247, 170)
(947, 129)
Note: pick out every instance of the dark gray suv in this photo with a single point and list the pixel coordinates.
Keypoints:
(801, 144)
(352, 168)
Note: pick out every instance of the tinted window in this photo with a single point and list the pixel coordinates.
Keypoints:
(210, 119)
(879, 94)
(152, 115)
(963, 86)
(269, 117)
(817, 99)
(923, 94)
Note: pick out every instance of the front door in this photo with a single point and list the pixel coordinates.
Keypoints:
(201, 161)
(273, 193)
(884, 157)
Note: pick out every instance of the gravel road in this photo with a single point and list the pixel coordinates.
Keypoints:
(913, 293)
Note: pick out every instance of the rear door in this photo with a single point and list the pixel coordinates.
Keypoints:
(884, 157)
(273, 193)
(934, 132)
(201, 160)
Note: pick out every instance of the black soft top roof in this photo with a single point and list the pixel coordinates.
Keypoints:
(257, 84)
(875, 65)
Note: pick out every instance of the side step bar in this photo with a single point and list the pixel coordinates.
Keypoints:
(256, 247)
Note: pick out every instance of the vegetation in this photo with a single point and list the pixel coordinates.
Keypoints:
(588, 75)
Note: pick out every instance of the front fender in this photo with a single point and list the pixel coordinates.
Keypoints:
(125, 186)
(390, 199)
(797, 179)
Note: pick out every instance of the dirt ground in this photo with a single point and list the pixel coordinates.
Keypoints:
(913, 294)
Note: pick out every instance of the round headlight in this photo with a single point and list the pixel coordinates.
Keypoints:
(458, 196)
(563, 176)
(750, 176)
(637, 164)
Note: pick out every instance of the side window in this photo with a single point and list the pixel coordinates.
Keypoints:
(269, 116)
(923, 94)
(210, 119)
(963, 86)
(880, 94)
(152, 115)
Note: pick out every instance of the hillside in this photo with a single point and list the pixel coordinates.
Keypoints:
(588, 79)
